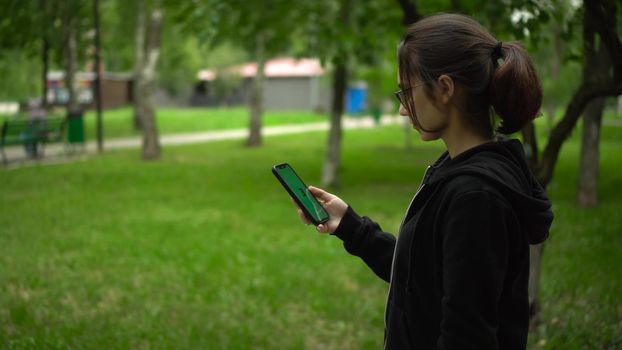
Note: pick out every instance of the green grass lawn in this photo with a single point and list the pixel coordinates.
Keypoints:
(203, 249)
(119, 122)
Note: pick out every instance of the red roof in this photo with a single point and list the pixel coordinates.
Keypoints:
(278, 67)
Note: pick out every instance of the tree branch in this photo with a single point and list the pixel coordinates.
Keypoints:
(585, 93)
(409, 10)
(599, 17)
(604, 13)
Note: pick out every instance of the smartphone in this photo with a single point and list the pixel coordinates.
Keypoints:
(297, 189)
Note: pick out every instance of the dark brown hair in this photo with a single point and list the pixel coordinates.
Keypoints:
(461, 48)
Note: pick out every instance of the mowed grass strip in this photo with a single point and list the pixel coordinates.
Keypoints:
(203, 249)
(119, 122)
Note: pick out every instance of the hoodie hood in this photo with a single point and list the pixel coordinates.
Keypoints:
(503, 164)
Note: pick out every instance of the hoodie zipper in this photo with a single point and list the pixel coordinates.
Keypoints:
(386, 306)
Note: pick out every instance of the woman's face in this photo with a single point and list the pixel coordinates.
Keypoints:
(428, 115)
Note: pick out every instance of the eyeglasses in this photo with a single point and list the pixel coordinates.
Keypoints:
(398, 94)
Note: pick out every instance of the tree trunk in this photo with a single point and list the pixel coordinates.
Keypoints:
(71, 66)
(599, 18)
(139, 63)
(332, 163)
(98, 75)
(587, 194)
(596, 69)
(456, 6)
(560, 133)
(151, 143)
(530, 143)
(556, 60)
(256, 97)
(45, 54)
(46, 67)
(535, 259)
(410, 14)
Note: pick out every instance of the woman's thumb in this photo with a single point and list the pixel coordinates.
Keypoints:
(320, 193)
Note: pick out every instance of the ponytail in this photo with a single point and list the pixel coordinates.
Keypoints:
(515, 90)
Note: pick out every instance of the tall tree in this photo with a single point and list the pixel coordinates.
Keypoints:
(596, 69)
(587, 182)
(410, 14)
(29, 29)
(262, 33)
(344, 34)
(45, 52)
(139, 62)
(71, 61)
(98, 75)
(599, 16)
(75, 18)
(256, 97)
(146, 87)
(332, 162)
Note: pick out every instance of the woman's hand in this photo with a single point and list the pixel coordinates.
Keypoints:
(334, 205)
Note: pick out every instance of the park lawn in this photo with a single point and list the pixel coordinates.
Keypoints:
(581, 284)
(119, 123)
(204, 250)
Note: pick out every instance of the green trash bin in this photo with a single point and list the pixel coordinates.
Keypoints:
(376, 113)
(75, 127)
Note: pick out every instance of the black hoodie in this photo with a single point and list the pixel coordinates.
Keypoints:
(459, 271)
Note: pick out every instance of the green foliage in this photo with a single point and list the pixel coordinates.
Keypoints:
(558, 91)
(301, 28)
(215, 22)
(22, 32)
(579, 290)
(220, 59)
(20, 75)
(17, 25)
(557, 53)
(181, 56)
(225, 84)
(223, 56)
(118, 24)
(180, 60)
(345, 31)
(167, 255)
(381, 82)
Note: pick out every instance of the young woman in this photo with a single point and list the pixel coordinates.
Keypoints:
(458, 271)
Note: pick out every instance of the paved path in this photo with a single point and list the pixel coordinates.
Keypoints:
(16, 153)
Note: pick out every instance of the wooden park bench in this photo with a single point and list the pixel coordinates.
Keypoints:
(31, 133)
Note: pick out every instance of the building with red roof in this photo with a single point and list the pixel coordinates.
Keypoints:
(290, 84)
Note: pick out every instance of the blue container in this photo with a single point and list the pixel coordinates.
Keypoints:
(355, 99)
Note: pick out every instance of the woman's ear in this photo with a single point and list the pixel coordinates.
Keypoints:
(446, 88)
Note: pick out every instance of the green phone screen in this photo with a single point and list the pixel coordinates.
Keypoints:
(301, 191)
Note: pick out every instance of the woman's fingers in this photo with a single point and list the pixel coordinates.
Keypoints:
(303, 217)
(333, 204)
(322, 228)
(320, 194)
(300, 213)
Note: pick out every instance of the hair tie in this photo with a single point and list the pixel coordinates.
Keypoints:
(496, 52)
